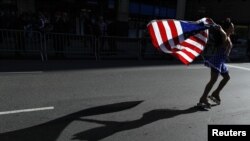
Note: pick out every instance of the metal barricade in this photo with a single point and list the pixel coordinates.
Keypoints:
(21, 43)
(64, 45)
(69, 46)
(118, 47)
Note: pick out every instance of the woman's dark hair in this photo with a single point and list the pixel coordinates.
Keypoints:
(215, 33)
(226, 23)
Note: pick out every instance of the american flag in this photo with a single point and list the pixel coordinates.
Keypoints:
(183, 39)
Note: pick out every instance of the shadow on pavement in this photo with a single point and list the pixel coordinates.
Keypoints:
(111, 127)
(51, 130)
(58, 65)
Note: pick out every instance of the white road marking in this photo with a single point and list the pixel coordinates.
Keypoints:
(23, 72)
(238, 67)
(26, 110)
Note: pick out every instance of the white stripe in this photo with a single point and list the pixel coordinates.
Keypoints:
(179, 47)
(158, 38)
(179, 31)
(207, 33)
(238, 67)
(200, 36)
(169, 34)
(26, 110)
(192, 42)
(185, 56)
(157, 33)
(151, 22)
(203, 20)
(191, 51)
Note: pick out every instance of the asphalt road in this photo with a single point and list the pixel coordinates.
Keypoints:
(114, 100)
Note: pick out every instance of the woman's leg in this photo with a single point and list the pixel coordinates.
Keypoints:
(226, 78)
(210, 84)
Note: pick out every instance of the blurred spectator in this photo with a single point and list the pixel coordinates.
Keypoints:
(60, 25)
(111, 31)
(95, 26)
(44, 23)
(61, 22)
(87, 25)
(102, 31)
(102, 26)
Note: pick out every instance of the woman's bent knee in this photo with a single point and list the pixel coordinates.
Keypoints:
(226, 77)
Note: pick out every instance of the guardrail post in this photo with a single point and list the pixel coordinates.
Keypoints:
(41, 46)
(96, 47)
(44, 42)
(139, 42)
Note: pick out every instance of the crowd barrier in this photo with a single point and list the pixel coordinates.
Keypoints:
(60, 45)
(20, 43)
(69, 46)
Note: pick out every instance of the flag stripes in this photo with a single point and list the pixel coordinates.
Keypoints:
(170, 37)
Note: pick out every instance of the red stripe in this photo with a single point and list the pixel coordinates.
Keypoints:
(163, 35)
(176, 41)
(189, 54)
(173, 31)
(195, 48)
(198, 40)
(152, 35)
(182, 59)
